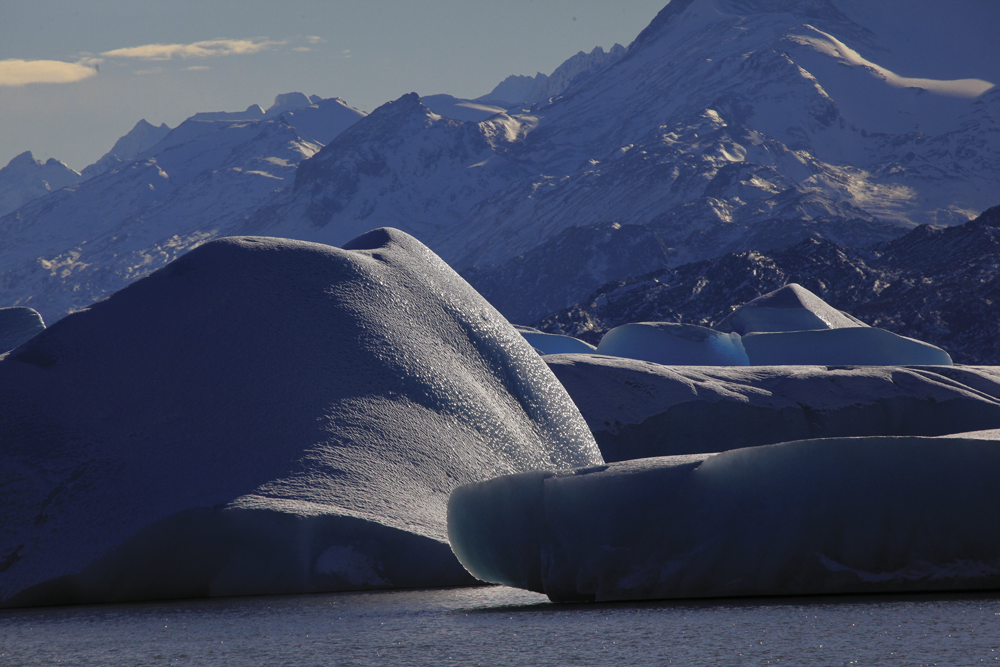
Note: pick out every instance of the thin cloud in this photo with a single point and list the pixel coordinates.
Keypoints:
(302, 49)
(22, 72)
(196, 68)
(313, 39)
(205, 49)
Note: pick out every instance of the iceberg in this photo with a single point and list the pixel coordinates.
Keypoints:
(266, 416)
(674, 344)
(789, 308)
(17, 325)
(547, 343)
(638, 409)
(840, 515)
(841, 347)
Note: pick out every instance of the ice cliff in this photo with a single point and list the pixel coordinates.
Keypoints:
(841, 515)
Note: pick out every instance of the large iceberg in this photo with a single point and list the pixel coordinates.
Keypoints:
(266, 416)
(840, 515)
(674, 344)
(854, 346)
(789, 308)
(17, 325)
(638, 409)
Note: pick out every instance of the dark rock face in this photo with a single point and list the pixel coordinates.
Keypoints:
(939, 285)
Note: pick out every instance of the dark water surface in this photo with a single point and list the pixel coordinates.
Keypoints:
(504, 626)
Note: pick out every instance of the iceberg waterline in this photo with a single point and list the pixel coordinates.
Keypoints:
(841, 515)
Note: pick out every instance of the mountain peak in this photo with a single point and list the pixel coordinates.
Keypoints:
(23, 161)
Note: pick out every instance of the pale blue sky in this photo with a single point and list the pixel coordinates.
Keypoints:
(366, 52)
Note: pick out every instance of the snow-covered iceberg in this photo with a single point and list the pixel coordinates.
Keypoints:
(17, 325)
(856, 346)
(674, 344)
(789, 308)
(808, 517)
(638, 409)
(266, 416)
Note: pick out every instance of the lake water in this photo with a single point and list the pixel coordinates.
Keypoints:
(494, 625)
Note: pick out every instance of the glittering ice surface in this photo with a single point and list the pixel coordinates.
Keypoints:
(835, 515)
(266, 416)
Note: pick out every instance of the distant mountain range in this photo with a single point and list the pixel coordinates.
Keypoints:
(936, 284)
(726, 126)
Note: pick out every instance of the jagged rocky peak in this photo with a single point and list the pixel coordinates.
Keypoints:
(140, 138)
(25, 178)
(541, 88)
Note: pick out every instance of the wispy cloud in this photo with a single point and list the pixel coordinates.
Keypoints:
(313, 39)
(196, 68)
(301, 49)
(23, 72)
(205, 49)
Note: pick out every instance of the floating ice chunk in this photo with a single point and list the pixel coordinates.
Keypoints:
(17, 325)
(265, 416)
(841, 347)
(809, 517)
(547, 343)
(674, 344)
(790, 308)
(638, 409)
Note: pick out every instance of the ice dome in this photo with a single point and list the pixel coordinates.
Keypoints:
(17, 325)
(674, 344)
(547, 343)
(837, 515)
(266, 416)
(789, 308)
(638, 409)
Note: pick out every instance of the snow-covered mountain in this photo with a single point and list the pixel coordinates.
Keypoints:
(542, 88)
(727, 125)
(723, 119)
(936, 284)
(199, 181)
(140, 138)
(25, 178)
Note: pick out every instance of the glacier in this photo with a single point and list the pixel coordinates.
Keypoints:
(638, 409)
(826, 516)
(266, 416)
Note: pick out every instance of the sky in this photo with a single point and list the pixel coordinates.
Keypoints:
(77, 74)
